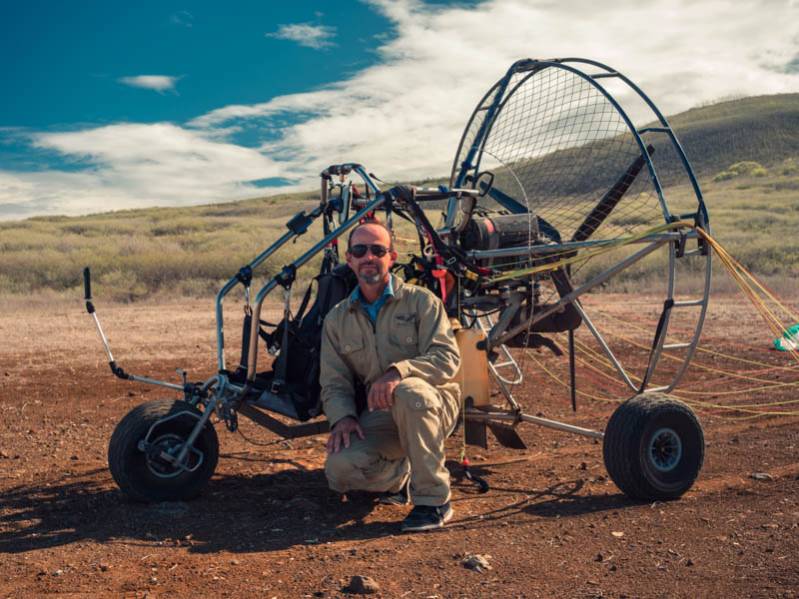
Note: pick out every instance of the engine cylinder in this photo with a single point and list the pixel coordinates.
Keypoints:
(499, 231)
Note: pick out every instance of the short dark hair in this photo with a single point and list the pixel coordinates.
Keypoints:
(371, 221)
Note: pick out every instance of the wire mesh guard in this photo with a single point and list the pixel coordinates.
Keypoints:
(563, 145)
(556, 144)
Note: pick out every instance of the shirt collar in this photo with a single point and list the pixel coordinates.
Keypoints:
(388, 291)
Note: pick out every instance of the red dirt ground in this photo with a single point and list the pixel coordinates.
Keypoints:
(267, 526)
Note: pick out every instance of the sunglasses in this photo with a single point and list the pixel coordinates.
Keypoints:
(359, 250)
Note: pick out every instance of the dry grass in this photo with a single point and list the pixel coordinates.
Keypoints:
(165, 253)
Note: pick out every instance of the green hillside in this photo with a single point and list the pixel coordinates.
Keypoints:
(764, 129)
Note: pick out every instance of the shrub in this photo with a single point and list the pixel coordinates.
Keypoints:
(748, 168)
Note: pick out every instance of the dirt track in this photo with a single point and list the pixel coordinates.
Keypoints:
(268, 527)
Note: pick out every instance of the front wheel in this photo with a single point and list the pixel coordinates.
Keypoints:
(654, 447)
(145, 441)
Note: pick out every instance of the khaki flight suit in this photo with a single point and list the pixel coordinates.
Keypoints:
(413, 335)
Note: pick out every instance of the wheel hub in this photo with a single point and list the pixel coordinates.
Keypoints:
(157, 463)
(665, 449)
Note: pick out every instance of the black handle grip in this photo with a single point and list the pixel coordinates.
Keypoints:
(87, 284)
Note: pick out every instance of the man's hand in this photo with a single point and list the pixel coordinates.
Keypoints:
(381, 393)
(340, 434)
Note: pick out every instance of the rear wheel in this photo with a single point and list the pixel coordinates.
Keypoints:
(654, 447)
(143, 447)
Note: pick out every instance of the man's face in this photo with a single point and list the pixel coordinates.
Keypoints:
(369, 268)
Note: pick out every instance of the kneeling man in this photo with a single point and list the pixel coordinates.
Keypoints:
(397, 341)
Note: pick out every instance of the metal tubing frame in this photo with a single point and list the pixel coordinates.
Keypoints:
(694, 342)
(280, 242)
(103, 338)
(605, 347)
(220, 296)
(480, 416)
(275, 281)
(477, 143)
(568, 246)
(597, 280)
(149, 381)
(534, 66)
(131, 377)
(195, 432)
(701, 216)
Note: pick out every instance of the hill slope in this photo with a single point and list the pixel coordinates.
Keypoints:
(190, 250)
(764, 129)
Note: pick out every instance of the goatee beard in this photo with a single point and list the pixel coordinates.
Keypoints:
(372, 279)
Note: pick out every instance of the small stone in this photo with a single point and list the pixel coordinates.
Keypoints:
(58, 573)
(599, 557)
(104, 567)
(235, 562)
(689, 562)
(477, 562)
(617, 533)
(761, 476)
(362, 585)
(613, 567)
(73, 458)
(153, 579)
(583, 466)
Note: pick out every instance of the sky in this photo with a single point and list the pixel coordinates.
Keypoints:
(112, 105)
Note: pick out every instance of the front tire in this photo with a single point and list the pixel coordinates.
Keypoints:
(141, 472)
(654, 447)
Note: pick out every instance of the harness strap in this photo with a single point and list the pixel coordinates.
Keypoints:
(439, 273)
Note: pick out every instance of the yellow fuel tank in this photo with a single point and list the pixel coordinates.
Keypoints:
(472, 376)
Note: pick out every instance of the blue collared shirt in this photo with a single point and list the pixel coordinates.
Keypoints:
(373, 308)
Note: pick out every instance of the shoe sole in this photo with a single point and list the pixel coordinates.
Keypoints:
(446, 518)
(393, 501)
(398, 498)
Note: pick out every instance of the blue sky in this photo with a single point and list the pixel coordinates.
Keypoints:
(219, 52)
(75, 64)
(117, 105)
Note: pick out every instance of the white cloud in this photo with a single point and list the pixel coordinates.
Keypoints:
(159, 83)
(183, 18)
(133, 166)
(403, 116)
(306, 34)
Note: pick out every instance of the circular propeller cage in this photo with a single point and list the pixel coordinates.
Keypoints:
(585, 157)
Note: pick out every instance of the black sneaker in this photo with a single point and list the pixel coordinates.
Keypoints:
(427, 517)
(401, 497)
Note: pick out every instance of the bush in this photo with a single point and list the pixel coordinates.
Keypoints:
(789, 167)
(748, 168)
